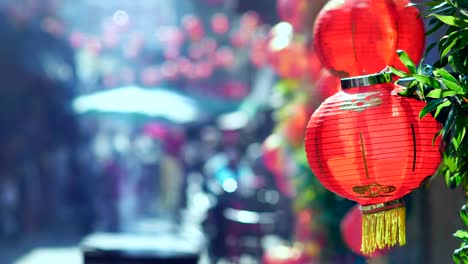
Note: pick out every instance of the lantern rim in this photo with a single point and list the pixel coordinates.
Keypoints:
(366, 80)
(374, 208)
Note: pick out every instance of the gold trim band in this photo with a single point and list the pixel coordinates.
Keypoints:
(374, 208)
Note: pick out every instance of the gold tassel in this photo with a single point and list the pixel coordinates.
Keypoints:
(383, 226)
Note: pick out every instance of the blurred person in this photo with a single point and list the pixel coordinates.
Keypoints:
(37, 70)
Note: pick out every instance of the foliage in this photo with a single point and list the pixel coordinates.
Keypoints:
(444, 86)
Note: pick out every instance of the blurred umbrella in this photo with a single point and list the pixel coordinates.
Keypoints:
(156, 103)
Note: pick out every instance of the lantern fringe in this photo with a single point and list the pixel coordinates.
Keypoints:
(383, 229)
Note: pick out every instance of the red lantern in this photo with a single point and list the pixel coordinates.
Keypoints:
(368, 145)
(351, 231)
(355, 37)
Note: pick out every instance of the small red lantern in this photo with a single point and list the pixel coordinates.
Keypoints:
(356, 37)
(351, 231)
(367, 144)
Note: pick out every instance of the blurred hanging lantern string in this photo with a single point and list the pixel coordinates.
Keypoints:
(367, 144)
(355, 37)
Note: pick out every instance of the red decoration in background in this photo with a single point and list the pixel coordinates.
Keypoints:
(275, 162)
(259, 54)
(193, 26)
(351, 231)
(151, 76)
(239, 39)
(77, 39)
(287, 57)
(185, 67)
(224, 57)
(171, 53)
(294, 12)
(170, 37)
(220, 23)
(293, 127)
(303, 227)
(368, 145)
(355, 37)
(249, 21)
(315, 66)
(234, 90)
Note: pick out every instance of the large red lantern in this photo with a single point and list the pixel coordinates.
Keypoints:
(367, 144)
(356, 37)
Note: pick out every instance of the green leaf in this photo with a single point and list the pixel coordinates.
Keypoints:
(409, 91)
(451, 163)
(460, 134)
(430, 106)
(464, 214)
(448, 182)
(447, 48)
(437, 93)
(449, 81)
(442, 105)
(452, 21)
(437, 25)
(461, 234)
(451, 117)
(442, 93)
(397, 72)
(440, 132)
(445, 75)
(406, 60)
(455, 144)
(429, 81)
